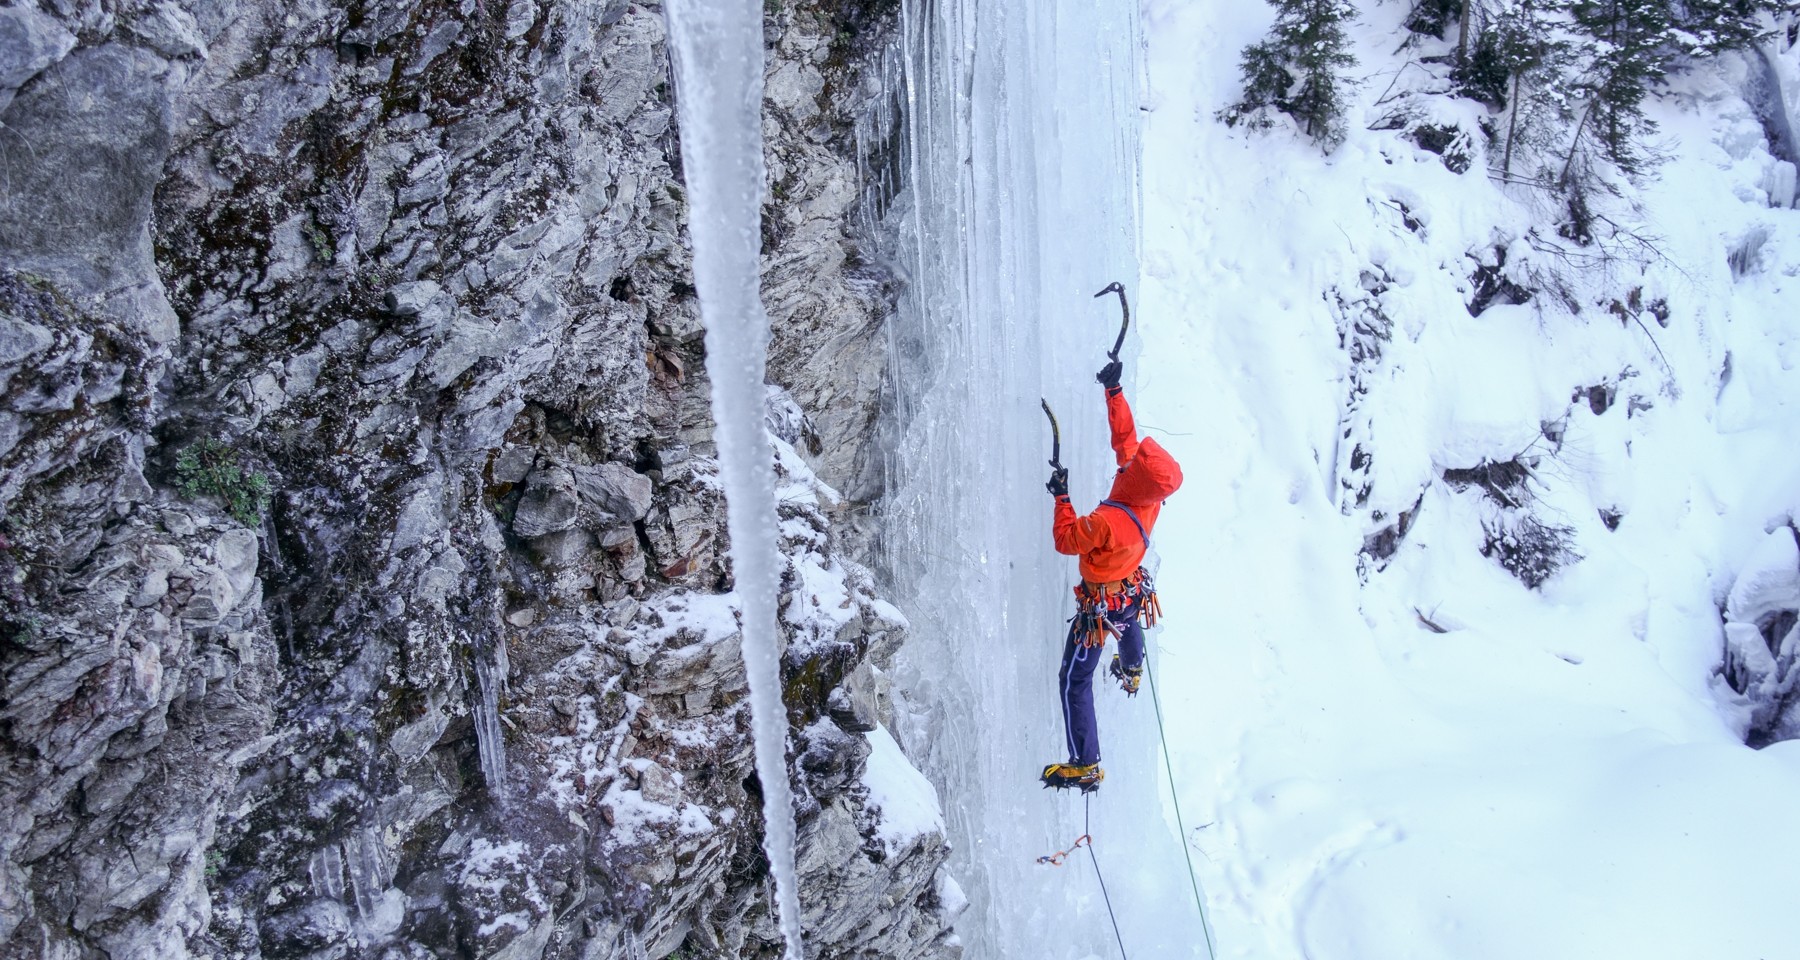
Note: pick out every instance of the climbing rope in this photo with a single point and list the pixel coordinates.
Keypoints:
(1087, 806)
(1199, 902)
(1087, 840)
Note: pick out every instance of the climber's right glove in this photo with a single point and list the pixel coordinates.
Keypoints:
(1059, 482)
(1109, 374)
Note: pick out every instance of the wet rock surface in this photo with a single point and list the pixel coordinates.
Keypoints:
(362, 554)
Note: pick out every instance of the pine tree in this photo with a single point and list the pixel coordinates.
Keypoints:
(1535, 61)
(1573, 74)
(1476, 16)
(1629, 44)
(1433, 17)
(1295, 70)
(1485, 73)
(1710, 27)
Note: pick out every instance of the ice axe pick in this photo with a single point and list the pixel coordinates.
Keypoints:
(1125, 306)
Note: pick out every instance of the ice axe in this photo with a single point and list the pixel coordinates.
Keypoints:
(1125, 306)
(1055, 437)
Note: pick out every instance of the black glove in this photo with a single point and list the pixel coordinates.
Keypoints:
(1059, 482)
(1109, 374)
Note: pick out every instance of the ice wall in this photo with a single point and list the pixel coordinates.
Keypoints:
(1012, 198)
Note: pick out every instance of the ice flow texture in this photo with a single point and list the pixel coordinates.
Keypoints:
(718, 70)
(1001, 175)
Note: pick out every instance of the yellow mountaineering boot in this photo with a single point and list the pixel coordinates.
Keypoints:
(1065, 775)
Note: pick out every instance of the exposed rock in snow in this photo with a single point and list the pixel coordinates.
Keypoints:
(1762, 640)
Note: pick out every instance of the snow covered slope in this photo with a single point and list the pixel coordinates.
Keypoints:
(1415, 756)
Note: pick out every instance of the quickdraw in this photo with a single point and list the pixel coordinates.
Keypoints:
(1085, 840)
(1056, 859)
(1092, 606)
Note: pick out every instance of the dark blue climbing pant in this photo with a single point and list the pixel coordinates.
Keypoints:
(1075, 682)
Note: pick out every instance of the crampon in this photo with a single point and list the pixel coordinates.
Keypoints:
(1129, 678)
(1065, 775)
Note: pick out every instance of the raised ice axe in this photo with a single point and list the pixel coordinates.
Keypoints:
(1124, 305)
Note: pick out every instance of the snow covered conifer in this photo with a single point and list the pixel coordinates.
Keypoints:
(1433, 16)
(1530, 64)
(1295, 70)
(1629, 41)
(1710, 27)
(1485, 72)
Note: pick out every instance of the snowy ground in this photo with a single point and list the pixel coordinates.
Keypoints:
(1555, 776)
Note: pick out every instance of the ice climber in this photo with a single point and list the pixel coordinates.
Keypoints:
(1116, 596)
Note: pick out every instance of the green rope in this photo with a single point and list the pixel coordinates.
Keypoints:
(1199, 901)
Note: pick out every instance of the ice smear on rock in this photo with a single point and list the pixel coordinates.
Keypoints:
(489, 741)
(718, 61)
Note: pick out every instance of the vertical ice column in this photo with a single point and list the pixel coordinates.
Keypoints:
(490, 743)
(1013, 200)
(718, 70)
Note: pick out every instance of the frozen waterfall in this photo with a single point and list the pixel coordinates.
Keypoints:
(717, 47)
(1007, 196)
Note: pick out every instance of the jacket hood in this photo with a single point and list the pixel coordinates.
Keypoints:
(1149, 477)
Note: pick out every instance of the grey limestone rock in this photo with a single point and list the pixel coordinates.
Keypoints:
(29, 42)
(318, 928)
(86, 146)
(550, 504)
(170, 31)
(615, 491)
(467, 682)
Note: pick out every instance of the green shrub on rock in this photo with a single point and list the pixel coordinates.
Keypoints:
(209, 468)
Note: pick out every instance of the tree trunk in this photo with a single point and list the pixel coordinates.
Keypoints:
(1575, 144)
(1612, 110)
(1512, 128)
(1462, 38)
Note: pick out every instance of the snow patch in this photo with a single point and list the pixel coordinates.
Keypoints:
(908, 802)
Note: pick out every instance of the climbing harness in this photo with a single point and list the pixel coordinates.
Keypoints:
(1093, 601)
(1193, 878)
(1086, 840)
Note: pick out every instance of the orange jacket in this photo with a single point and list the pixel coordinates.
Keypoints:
(1106, 540)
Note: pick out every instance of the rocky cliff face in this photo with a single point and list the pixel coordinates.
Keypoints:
(364, 591)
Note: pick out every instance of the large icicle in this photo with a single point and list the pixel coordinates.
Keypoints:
(717, 48)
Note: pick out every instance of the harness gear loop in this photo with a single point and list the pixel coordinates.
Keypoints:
(1056, 859)
(1093, 601)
